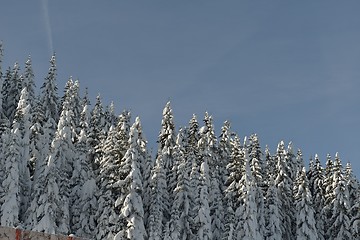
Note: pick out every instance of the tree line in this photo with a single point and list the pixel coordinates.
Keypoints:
(67, 167)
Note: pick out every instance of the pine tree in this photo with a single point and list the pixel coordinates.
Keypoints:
(316, 180)
(273, 211)
(59, 173)
(257, 171)
(305, 219)
(29, 81)
(146, 164)
(248, 225)
(49, 95)
(179, 225)
(235, 169)
(109, 117)
(203, 219)
(40, 177)
(208, 152)
(96, 134)
(107, 216)
(328, 194)
(339, 221)
(355, 221)
(285, 184)
(83, 184)
(270, 163)
(162, 179)
(354, 200)
(123, 132)
(130, 200)
(21, 132)
(10, 208)
(11, 89)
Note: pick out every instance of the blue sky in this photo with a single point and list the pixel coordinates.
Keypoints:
(283, 69)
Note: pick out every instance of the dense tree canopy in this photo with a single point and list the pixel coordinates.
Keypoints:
(68, 168)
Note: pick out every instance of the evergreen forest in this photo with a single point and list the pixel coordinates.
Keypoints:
(68, 166)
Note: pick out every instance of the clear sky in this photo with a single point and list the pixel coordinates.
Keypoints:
(283, 69)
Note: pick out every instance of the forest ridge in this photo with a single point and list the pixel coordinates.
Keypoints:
(68, 168)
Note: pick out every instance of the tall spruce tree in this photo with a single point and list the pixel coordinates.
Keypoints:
(130, 199)
(21, 134)
(284, 182)
(248, 225)
(327, 211)
(203, 219)
(83, 202)
(162, 188)
(107, 215)
(273, 211)
(96, 136)
(304, 212)
(180, 222)
(257, 171)
(49, 95)
(232, 200)
(10, 208)
(59, 173)
(209, 153)
(339, 221)
(11, 89)
(316, 186)
(29, 80)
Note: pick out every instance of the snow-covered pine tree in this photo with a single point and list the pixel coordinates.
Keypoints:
(353, 187)
(272, 211)
(11, 89)
(10, 208)
(339, 221)
(304, 212)
(83, 202)
(5, 87)
(129, 200)
(109, 117)
(123, 132)
(45, 218)
(146, 164)
(208, 151)
(49, 95)
(224, 151)
(41, 137)
(354, 200)
(76, 102)
(179, 225)
(58, 175)
(327, 211)
(21, 134)
(257, 171)
(355, 221)
(96, 136)
(162, 180)
(158, 202)
(235, 169)
(248, 225)
(270, 166)
(203, 218)
(107, 217)
(284, 183)
(192, 155)
(316, 180)
(29, 81)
